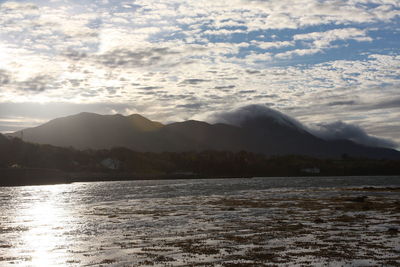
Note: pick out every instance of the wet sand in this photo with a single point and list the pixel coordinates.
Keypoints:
(279, 227)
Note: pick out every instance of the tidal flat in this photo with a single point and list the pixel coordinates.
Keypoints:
(339, 221)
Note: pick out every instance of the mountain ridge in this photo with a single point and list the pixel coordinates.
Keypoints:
(261, 134)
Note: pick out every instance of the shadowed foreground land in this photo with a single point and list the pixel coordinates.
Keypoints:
(275, 227)
(24, 163)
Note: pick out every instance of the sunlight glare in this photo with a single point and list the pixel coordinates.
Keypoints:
(46, 219)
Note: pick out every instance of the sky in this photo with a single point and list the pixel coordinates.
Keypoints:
(321, 62)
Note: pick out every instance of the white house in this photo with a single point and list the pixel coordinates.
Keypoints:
(110, 163)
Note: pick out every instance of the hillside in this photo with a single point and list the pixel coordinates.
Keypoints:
(266, 134)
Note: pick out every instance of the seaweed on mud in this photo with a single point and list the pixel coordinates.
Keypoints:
(236, 238)
(146, 263)
(309, 245)
(249, 229)
(318, 220)
(345, 218)
(4, 230)
(374, 189)
(393, 231)
(261, 254)
(16, 259)
(125, 245)
(163, 258)
(244, 203)
(309, 204)
(392, 262)
(364, 204)
(73, 261)
(288, 227)
(194, 247)
(240, 264)
(332, 252)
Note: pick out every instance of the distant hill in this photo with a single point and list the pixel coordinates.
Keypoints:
(266, 134)
(89, 130)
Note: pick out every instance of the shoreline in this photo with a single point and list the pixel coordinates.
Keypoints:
(36, 176)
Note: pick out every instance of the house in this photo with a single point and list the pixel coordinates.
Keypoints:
(313, 170)
(112, 164)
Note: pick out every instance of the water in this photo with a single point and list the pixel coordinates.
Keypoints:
(216, 222)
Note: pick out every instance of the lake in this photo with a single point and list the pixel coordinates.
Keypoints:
(335, 221)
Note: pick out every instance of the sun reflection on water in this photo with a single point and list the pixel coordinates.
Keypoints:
(46, 217)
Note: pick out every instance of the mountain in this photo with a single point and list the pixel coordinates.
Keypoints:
(270, 134)
(89, 130)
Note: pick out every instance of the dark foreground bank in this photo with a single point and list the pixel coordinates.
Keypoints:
(32, 176)
(24, 163)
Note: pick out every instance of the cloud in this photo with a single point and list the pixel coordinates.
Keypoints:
(247, 91)
(75, 55)
(9, 6)
(324, 40)
(5, 77)
(269, 45)
(253, 71)
(193, 81)
(150, 87)
(36, 84)
(222, 87)
(341, 130)
(190, 106)
(342, 103)
(28, 111)
(241, 115)
(298, 52)
(317, 42)
(393, 102)
(268, 96)
(299, 14)
(145, 57)
(223, 32)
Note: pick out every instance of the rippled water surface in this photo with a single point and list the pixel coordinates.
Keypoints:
(216, 222)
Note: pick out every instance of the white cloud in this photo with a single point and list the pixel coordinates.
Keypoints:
(98, 53)
(324, 40)
(269, 45)
(304, 13)
(298, 52)
(317, 42)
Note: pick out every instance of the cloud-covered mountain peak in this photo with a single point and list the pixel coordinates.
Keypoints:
(253, 113)
(257, 116)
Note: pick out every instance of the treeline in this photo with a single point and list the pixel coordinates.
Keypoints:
(14, 153)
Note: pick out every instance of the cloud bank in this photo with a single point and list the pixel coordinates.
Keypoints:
(341, 130)
(329, 131)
